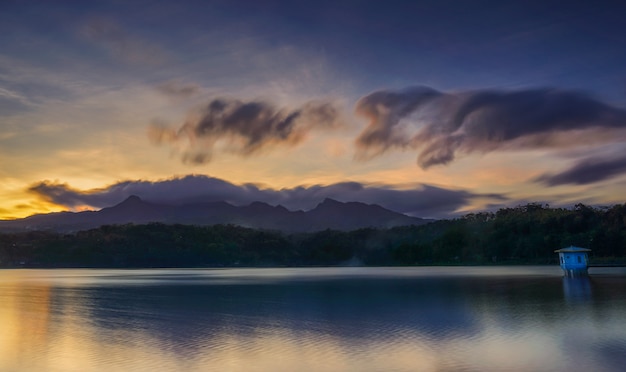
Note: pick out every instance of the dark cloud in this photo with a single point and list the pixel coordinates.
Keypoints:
(385, 110)
(587, 171)
(422, 201)
(178, 90)
(168, 191)
(439, 125)
(246, 127)
(64, 195)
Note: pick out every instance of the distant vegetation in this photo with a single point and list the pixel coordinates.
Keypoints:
(525, 234)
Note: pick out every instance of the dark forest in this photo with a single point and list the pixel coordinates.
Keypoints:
(526, 234)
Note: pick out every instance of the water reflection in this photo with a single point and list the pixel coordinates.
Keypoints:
(25, 321)
(577, 288)
(362, 320)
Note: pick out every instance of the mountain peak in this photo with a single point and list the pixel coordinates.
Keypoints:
(131, 200)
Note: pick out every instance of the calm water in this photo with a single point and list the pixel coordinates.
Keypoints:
(330, 319)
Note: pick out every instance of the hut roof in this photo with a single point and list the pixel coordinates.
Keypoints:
(572, 249)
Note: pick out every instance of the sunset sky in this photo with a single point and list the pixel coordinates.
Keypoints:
(430, 108)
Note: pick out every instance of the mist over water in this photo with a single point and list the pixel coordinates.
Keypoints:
(331, 319)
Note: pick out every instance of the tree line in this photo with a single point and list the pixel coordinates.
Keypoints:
(524, 234)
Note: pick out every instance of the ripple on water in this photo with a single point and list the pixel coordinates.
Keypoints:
(356, 320)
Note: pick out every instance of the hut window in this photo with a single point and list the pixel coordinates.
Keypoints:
(579, 260)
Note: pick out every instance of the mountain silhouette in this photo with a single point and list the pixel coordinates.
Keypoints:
(329, 214)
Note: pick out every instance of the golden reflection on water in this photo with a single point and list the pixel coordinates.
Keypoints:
(24, 321)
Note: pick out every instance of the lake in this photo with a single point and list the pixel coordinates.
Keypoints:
(313, 319)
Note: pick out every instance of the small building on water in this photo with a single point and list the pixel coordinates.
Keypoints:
(574, 260)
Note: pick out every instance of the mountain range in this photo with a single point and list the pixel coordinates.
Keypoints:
(329, 214)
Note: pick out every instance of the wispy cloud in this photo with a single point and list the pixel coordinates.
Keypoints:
(14, 96)
(440, 125)
(244, 128)
(423, 200)
(12, 102)
(122, 44)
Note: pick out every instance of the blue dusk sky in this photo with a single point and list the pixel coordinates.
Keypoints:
(429, 108)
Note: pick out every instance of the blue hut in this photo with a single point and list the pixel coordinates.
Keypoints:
(574, 260)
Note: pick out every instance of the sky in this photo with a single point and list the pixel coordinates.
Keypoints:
(430, 108)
